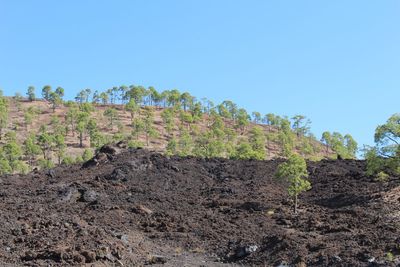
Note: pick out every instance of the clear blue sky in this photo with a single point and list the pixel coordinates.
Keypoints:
(337, 62)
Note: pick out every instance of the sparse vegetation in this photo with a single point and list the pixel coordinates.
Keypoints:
(171, 121)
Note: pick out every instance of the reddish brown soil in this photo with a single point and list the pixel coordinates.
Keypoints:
(140, 207)
(16, 124)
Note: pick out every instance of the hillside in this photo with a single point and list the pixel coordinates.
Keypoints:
(272, 145)
(139, 207)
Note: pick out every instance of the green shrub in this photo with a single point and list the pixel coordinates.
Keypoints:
(135, 144)
(46, 164)
(389, 256)
(78, 159)
(5, 167)
(87, 154)
(172, 147)
(382, 177)
(68, 160)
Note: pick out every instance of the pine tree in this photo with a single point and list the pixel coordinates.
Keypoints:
(3, 114)
(149, 129)
(133, 108)
(31, 93)
(112, 116)
(294, 171)
(31, 148)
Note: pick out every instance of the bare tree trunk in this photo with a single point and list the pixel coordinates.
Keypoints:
(80, 139)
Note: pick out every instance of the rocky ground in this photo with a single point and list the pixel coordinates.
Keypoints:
(139, 208)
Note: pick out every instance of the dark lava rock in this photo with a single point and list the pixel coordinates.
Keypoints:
(90, 256)
(210, 207)
(51, 173)
(156, 259)
(90, 196)
(252, 206)
(118, 175)
(69, 194)
(108, 149)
